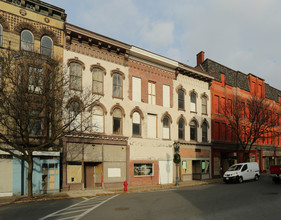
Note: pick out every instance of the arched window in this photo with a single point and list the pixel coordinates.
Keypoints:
(136, 124)
(117, 85)
(204, 105)
(193, 102)
(166, 128)
(204, 132)
(97, 81)
(47, 46)
(75, 76)
(97, 119)
(75, 117)
(193, 130)
(27, 40)
(181, 129)
(117, 121)
(1, 35)
(180, 99)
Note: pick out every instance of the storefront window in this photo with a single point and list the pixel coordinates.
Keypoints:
(143, 169)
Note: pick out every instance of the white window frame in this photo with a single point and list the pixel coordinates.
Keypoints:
(152, 93)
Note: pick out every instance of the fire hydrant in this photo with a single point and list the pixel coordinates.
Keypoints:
(125, 186)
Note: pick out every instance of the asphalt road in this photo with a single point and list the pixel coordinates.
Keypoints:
(249, 200)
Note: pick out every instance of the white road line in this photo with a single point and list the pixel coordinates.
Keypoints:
(85, 213)
(93, 203)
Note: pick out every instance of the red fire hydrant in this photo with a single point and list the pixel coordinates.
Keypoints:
(125, 186)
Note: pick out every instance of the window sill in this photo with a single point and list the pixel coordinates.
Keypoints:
(181, 109)
(136, 136)
(193, 112)
(114, 97)
(143, 176)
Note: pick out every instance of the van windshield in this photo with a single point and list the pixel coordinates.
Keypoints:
(235, 167)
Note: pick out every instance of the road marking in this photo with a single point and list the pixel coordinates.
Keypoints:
(80, 209)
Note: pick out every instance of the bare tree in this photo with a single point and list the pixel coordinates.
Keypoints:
(36, 108)
(250, 120)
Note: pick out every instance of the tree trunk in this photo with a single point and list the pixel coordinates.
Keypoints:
(29, 176)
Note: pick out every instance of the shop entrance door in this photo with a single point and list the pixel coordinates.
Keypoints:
(89, 176)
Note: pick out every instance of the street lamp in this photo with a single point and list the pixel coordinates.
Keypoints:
(177, 159)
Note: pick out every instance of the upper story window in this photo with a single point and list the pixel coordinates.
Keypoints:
(75, 116)
(117, 121)
(152, 126)
(136, 124)
(75, 76)
(1, 35)
(151, 93)
(97, 81)
(35, 79)
(47, 46)
(136, 90)
(34, 125)
(97, 119)
(166, 127)
(193, 130)
(166, 96)
(204, 132)
(193, 102)
(180, 99)
(181, 129)
(27, 40)
(204, 105)
(117, 85)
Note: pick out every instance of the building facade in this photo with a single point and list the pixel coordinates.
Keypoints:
(38, 28)
(227, 84)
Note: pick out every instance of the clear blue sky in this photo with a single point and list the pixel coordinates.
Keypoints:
(244, 35)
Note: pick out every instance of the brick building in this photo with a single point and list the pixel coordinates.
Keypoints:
(228, 83)
(37, 28)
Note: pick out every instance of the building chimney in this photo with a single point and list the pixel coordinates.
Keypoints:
(200, 58)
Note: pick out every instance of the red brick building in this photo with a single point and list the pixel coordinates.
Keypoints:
(226, 84)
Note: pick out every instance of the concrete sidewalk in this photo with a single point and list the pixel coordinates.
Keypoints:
(100, 192)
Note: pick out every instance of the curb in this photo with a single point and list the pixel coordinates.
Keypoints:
(114, 192)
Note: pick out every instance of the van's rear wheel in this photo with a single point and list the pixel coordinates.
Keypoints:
(240, 180)
(256, 177)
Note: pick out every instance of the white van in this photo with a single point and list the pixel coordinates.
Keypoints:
(241, 172)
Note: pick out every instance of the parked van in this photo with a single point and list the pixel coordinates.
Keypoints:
(241, 172)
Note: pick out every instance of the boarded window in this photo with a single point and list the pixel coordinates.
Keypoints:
(151, 126)
(166, 96)
(136, 89)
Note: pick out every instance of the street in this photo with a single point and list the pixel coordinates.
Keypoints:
(249, 200)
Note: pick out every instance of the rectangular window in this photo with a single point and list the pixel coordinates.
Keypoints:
(97, 120)
(97, 81)
(151, 126)
(166, 96)
(117, 85)
(216, 104)
(75, 76)
(217, 131)
(151, 93)
(260, 91)
(35, 76)
(229, 107)
(193, 102)
(143, 169)
(223, 131)
(136, 96)
(204, 105)
(34, 124)
(222, 105)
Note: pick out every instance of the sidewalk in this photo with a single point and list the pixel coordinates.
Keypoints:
(100, 192)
